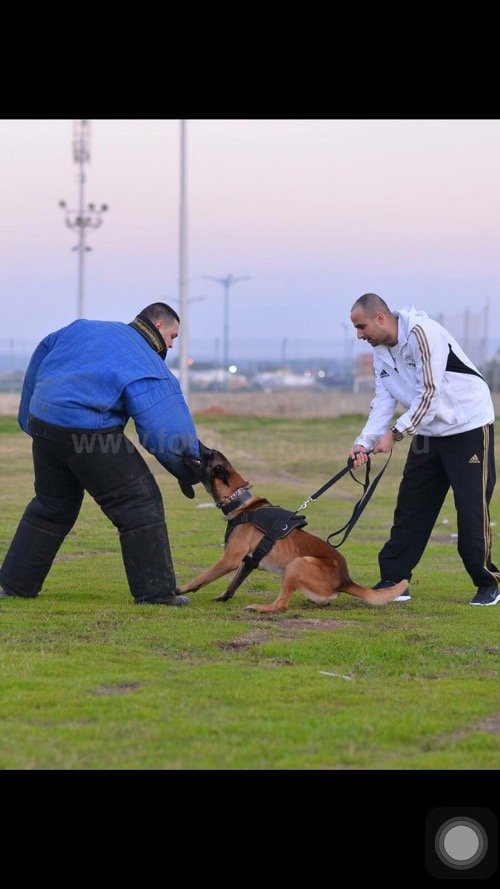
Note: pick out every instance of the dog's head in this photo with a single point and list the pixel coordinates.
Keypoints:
(215, 473)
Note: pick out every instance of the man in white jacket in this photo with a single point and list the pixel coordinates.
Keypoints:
(449, 411)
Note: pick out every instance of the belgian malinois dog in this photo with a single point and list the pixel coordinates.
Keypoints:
(304, 561)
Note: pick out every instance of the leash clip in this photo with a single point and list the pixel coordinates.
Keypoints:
(304, 504)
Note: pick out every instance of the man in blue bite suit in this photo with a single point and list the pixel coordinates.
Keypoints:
(82, 385)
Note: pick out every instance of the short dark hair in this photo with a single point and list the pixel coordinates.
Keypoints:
(371, 304)
(160, 312)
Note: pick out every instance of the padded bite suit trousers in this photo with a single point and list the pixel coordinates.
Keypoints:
(105, 463)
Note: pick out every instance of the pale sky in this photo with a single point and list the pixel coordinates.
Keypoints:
(316, 212)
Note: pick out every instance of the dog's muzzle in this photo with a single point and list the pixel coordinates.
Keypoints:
(199, 466)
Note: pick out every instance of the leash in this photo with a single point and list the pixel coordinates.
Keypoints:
(368, 491)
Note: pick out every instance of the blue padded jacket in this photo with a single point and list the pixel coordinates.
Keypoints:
(98, 374)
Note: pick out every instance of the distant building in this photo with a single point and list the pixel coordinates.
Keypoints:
(284, 379)
(364, 379)
(215, 379)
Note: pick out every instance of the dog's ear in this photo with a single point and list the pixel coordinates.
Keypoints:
(222, 473)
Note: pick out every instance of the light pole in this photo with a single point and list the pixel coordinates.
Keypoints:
(226, 282)
(183, 262)
(84, 217)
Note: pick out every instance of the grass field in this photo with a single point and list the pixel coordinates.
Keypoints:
(92, 682)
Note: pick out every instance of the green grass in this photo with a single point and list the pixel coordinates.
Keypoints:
(90, 681)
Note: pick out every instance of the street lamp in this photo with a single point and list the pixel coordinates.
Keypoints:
(85, 217)
(226, 282)
(183, 264)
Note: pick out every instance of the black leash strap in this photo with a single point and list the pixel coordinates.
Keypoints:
(337, 478)
(368, 491)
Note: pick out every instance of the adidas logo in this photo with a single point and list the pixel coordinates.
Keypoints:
(383, 373)
(474, 459)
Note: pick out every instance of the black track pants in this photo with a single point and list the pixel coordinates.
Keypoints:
(464, 462)
(110, 468)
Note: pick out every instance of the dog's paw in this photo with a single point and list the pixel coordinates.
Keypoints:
(252, 607)
(221, 598)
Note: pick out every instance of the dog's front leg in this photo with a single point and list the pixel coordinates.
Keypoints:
(222, 567)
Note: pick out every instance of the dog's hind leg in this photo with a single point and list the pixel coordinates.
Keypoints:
(305, 573)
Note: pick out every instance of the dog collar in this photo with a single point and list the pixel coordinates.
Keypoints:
(227, 504)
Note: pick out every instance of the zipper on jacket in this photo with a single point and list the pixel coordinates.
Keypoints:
(393, 359)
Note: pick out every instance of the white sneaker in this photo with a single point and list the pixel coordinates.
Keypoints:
(404, 597)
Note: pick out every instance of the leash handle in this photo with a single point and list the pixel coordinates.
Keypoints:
(368, 491)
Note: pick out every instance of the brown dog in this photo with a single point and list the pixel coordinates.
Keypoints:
(303, 560)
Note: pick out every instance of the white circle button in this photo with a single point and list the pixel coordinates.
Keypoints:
(461, 843)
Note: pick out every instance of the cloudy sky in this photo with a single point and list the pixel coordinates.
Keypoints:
(314, 212)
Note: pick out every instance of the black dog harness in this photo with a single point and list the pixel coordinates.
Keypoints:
(275, 523)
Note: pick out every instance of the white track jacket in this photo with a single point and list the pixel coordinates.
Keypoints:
(429, 374)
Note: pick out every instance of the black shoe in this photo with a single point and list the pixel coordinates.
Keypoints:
(383, 584)
(171, 600)
(486, 595)
(177, 600)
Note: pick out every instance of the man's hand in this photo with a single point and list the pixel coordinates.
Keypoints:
(384, 444)
(358, 455)
(186, 488)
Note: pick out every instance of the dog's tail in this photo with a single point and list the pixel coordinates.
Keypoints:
(375, 597)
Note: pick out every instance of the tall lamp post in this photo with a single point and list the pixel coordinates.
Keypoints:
(226, 282)
(183, 266)
(84, 217)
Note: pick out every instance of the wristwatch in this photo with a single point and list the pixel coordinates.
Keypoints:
(396, 434)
